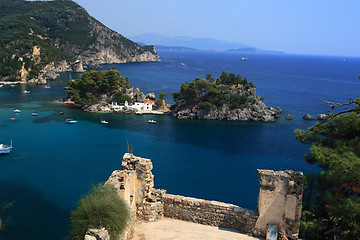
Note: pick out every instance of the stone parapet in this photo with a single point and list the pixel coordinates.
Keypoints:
(209, 213)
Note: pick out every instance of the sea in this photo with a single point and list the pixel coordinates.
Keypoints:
(53, 164)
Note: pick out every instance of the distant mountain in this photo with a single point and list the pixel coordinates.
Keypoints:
(253, 50)
(187, 42)
(38, 37)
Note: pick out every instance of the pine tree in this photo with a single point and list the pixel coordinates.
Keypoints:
(331, 207)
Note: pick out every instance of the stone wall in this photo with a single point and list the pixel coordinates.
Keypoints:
(209, 213)
(279, 201)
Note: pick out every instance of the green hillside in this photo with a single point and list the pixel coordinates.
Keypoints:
(61, 29)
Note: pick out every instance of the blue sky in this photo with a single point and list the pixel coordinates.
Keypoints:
(321, 27)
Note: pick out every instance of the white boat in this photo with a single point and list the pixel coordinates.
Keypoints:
(4, 149)
(70, 121)
(151, 121)
(1, 85)
(244, 59)
(34, 114)
(104, 122)
(47, 86)
(17, 110)
(26, 91)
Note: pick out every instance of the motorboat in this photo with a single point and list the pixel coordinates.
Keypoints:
(104, 122)
(12, 119)
(26, 91)
(71, 121)
(152, 121)
(34, 114)
(5, 149)
(17, 110)
(244, 59)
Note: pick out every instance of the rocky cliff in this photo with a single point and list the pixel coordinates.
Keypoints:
(40, 38)
(255, 112)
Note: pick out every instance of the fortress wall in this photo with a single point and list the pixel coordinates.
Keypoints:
(209, 213)
(279, 201)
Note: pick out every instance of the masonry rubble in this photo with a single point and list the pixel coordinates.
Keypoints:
(279, 201)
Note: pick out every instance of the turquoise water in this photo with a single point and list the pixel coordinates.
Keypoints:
(53, 163)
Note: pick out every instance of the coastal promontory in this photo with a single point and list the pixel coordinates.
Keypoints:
(40, 38)
(230, 97)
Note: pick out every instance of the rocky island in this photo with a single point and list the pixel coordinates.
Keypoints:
(107, 90)
(229, 97)
(38, 39)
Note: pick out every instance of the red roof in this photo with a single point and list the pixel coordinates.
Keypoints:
(149, 101)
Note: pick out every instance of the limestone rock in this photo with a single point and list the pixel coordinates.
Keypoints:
(308, 117)
(322, 117)
(288, 117)
(150, 96)
(97, 234)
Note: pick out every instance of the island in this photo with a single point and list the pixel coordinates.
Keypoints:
(230, 97)
(99, 91)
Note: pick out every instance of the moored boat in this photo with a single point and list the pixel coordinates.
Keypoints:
(17, 110)
(70, 121)
(26, 91)
(151, 121)
(4, 149)
(103, 121)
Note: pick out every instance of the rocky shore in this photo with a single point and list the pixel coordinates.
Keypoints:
(256, 112)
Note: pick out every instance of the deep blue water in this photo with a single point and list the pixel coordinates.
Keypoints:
(53, 164)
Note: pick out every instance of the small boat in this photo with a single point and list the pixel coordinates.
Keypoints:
(104, 122)
(70, 121)
(12, 85)
(17, 110)
(1, 85)
(4, 149)
(61, 113)
(34, 114)
(151, 121)
(12, 119)
(244, 59)
(47, 86)
(26, 91)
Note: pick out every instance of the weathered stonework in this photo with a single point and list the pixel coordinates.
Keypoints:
(211, 213)
(279, 201)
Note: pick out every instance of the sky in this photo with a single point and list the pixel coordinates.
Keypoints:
(317, 27)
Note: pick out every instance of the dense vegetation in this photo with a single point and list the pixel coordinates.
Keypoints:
(50, 25)
(101, 208)
(208, 93)
(90, 88)
(331, 203)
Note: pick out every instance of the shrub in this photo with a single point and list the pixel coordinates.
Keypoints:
(100, 208)
(205, 105)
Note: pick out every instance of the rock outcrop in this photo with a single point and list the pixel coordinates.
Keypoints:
(256, 112)
(322, 116)
(308, 117)
(288, 117)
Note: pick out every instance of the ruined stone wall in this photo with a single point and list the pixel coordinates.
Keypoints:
(279, 200)
(209, 213)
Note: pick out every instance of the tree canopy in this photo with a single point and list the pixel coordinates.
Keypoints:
(92, 85)
(332, 197)
(207, 93)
